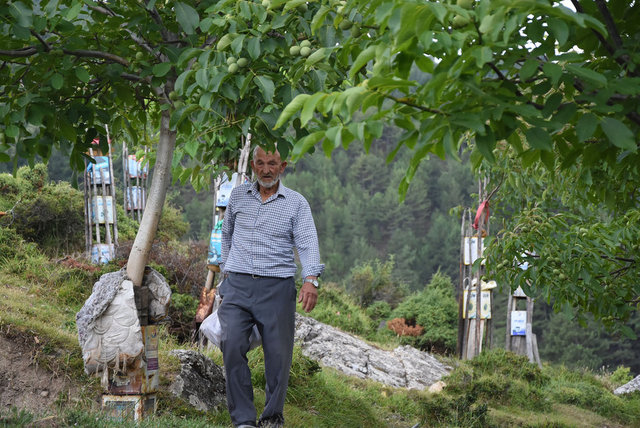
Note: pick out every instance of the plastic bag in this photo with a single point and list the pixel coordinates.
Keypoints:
(212, 329)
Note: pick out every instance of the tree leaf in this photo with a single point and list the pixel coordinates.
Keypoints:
(82, 74)
(619, 134)
(586, 126)
(362, 59)
(305, 144)
(253, 47)
(309, 107)
(191, 147)
(57, 80)
(160, 70)
(12, 131)
(292, 108)
(266, 87)
(538, 138)
(187, 17)
(587, 74)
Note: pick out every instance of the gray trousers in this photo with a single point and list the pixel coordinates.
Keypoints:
(270, 304)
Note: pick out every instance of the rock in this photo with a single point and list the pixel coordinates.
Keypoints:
(633, 385)
(437, 387)
(200, 382)
(404, 367)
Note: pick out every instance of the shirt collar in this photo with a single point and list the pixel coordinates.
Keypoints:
(282, 190)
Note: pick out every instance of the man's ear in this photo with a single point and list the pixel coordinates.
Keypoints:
(283, 165)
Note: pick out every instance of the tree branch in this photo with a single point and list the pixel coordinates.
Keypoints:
(408, 102)
(19, 53)
(98, 54)
(611, 26)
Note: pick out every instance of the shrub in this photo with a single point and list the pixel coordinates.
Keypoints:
(373, 281)
(36, 176)
(621, 376)
(335, 307)
(379, 310)
(436, 310)
(400, 327)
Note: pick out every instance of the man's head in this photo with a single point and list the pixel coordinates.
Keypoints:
(267, 166)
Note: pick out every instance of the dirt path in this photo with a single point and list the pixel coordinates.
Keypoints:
(25, 385)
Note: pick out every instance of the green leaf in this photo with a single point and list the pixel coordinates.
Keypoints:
(82, 74)
(309, 107)
(553, 72)
(57, 80)
(12, 131)
(266, 87)
(304, 145)
(225, 41)
(4, 157)
(253, 47)
(187, 17)
(292, 108)
(586, 126)
(21, 13)
(160, 70)
(539, 138)
(362, 59)
(528, 69)
(483, 55)
(619, 134)
(191, 147)
(316, 57)
(587, 74)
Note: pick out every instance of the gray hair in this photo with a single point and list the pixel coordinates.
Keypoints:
(254, 152)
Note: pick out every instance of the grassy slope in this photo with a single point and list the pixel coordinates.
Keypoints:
(39, 298)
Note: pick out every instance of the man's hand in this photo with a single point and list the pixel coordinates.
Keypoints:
(308, 296)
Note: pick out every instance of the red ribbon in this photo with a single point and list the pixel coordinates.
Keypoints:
(484, 205)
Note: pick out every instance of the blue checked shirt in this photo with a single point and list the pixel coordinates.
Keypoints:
(258, 237)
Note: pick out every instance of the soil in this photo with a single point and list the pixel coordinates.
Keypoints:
(24, 384)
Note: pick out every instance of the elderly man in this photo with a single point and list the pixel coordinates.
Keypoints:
(263, 223)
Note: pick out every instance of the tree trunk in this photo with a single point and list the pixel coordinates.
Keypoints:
(149, 224)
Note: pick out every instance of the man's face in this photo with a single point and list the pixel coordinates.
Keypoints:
(268, 167)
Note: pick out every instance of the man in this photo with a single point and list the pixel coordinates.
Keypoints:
(263, 223)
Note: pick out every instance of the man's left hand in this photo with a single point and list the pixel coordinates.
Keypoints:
(308, 296)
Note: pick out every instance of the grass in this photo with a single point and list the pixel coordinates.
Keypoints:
(39, 299)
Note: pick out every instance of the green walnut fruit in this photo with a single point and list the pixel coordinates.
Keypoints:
(465, 4)
(139, 56)
(345, 24)
(242, 62)
(178, 104)
(355, 30)
(459, 21)
(233, 68)
(302, 8)
(231, 60)
(305, 51)
(266, 3)
(305, 44)
(294, 50)
(173, 96)
(196, 66)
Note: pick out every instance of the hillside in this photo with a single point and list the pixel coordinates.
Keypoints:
(42, 381)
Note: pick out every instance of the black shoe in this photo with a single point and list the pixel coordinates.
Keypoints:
(276, 421)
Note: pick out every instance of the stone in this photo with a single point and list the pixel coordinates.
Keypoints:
(201, 382)
(627, 388)
(404, 367)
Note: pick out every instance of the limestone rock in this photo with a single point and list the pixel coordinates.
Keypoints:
(404, 367)
(633, 385)
(200, 382)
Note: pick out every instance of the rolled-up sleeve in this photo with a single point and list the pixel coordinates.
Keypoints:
(305, 239)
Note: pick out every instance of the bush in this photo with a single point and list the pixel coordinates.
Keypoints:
(436, 310)
(373, 281)
(379, 310)
(335, 307)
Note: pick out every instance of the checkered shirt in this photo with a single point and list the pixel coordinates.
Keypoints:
(259, 237)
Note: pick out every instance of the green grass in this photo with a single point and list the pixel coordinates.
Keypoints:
(39, 298)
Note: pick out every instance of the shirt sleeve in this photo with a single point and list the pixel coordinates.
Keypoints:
(227, 230)
(305, 238)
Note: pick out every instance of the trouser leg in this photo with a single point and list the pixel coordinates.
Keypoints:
(237, 321)
(275, 317)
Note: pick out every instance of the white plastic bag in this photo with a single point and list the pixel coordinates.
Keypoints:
(212, 329)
